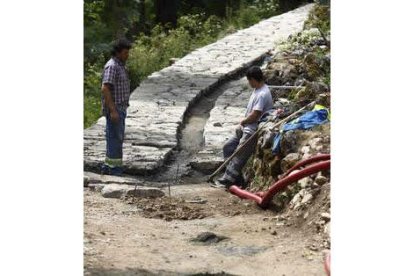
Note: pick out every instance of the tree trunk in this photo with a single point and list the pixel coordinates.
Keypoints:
(142, 19)
(166, 11)
(287, 5)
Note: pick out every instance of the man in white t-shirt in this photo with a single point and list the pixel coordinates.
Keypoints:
(260, 102)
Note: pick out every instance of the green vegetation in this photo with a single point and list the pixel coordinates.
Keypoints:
(302, 39)
(157, 37)
(315, 59)
(319, 17)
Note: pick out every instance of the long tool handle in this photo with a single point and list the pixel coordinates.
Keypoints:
(285, 86)
(210, 178)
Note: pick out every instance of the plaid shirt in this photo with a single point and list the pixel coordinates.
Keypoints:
(116, 75)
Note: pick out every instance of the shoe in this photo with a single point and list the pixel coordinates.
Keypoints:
(117, 171)
(240, 182)
(222, 183)
(105, 170)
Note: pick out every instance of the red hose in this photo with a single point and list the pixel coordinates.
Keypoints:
(302, 163)
(284, 182)
(263, 199)
(327, 264)
(245, 194)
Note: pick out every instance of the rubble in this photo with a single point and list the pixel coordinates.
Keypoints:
(320, 180)
(289, 160)
(326, 216)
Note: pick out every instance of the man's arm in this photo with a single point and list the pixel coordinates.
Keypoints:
(109, 102)
(108, 80)
(253, 117)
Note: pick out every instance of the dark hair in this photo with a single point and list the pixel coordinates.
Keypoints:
(119, 45)
(255, 72)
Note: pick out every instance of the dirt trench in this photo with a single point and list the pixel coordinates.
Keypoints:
(138, 237)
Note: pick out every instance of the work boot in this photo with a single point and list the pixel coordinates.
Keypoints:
(105, 169)
(241, 182)
(116, 171)
(222, 183)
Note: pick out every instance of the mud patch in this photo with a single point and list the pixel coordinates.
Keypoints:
(207, 238)
(168, 208)
(189, 206)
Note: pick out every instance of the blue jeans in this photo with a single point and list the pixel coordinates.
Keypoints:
(115, 133)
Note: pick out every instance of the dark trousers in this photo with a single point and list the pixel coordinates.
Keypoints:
(235, 166)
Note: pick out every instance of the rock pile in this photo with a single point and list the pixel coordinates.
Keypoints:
(303, 60)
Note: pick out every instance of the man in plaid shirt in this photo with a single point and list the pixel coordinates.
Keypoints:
(115, 100)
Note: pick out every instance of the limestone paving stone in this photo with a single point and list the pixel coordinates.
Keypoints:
(119, 190)
(221, 125)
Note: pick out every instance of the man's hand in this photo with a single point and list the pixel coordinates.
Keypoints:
(109, 103)
(279, 111)
(114, 116)
(242, 122)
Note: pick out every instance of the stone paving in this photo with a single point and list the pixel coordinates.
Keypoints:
(158, 105)
(224, 118)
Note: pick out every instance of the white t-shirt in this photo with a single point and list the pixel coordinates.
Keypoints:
(261, 100)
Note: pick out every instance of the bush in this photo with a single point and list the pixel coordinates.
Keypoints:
(319, 17)
(267, 8)
(152, 53)
(302, 39)
(92, 93)
(247, 16)
(256, 11)
(213, 26)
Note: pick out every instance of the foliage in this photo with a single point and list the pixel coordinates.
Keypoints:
(251, 13)
(302, 39)
(319, 17)
(267, 8)
(152, 53)
(92, 93)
